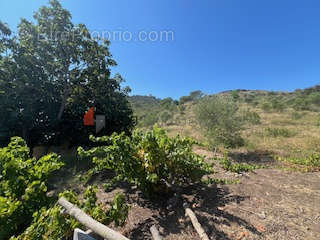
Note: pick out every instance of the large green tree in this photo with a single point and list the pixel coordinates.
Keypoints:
(55, 70)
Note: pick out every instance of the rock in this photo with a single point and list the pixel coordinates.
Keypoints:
(262, 215)
(78, 234)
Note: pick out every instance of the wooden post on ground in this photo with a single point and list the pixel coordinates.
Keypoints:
(196, 224)
(89, 222)
(155, 233)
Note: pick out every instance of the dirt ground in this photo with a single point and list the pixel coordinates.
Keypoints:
(267, 204)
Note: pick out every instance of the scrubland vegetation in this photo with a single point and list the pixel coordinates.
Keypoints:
(150, 144)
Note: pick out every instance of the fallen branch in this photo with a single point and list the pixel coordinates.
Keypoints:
(89, 222)
(155, 233)
(196, 224)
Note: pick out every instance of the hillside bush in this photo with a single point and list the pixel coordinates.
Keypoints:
(23, 185)
(266, 107)
(227, 165)
(165, 116)
(220, 121)
(148, 159)
(312, 160)
(250, 117)
(296, 115)
(279, 132)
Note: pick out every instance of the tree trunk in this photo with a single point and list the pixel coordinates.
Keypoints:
(63, 103)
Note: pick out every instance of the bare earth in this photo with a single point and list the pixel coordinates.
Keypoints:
(266, 204)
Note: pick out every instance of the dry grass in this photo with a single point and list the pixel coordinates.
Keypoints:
(303, 139)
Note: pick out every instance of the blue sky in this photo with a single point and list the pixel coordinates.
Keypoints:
(218, 44)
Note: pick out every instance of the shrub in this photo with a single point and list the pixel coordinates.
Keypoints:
(266, 106)
(301, 104)
(52, 224)
(277, 105)
(227, 164)
(279, 132)
(165, 116)
(23, 187)
(149, 119)
(251, 117)
(148, 159)
(296, 115)
(185, 99)
(312, 160)
(219, 119)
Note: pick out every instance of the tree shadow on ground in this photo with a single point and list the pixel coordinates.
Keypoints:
(206, 202)
(259, 157)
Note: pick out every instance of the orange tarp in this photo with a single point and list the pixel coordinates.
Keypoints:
(89, 117)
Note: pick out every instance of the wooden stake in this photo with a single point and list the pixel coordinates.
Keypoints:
(89, 222)
(155, 233)
(196, 224)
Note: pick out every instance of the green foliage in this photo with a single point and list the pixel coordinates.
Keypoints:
(266, 106)
(196, 95)
(312, 160)
(23, 183)
(148, 159)
(277, 105)
(165, 116)
(251, 117)
(318, 121)
(227, 164)
(279, 132)
(149, 119)
(296, 115)
(52, 224)
(193, 96)
(221, 181)
(218, 117)
(235, 95)
(49, 83)
(185, 99)
(300, 104)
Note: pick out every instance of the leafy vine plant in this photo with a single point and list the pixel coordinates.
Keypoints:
(147, 159)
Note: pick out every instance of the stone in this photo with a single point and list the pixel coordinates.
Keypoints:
(78, 234)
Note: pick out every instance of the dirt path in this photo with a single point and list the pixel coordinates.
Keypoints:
(278, 205)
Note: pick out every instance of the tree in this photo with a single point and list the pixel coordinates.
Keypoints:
(219, 119)
(196, 95)
(58, 70)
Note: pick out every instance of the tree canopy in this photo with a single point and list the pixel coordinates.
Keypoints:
(51, 73)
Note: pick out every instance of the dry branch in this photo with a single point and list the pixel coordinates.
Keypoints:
(155, 233)
(196, 224)
(89, 222)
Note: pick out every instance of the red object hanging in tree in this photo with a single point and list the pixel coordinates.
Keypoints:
(89, 117)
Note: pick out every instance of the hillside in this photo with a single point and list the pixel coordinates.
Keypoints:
(288, 122)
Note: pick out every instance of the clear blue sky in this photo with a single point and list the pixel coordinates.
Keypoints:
(218, 44)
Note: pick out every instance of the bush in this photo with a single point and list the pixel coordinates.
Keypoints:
(251, 117)
(279, 132)
(52, 224)
(318, 122)
(301, 104)
(266, 106)
(277, 105)
(23, 187)
(148, 159)
(313, 160)
(149, 119)
(219, 119)
(296, 115)
(165, 116)
(227, 164)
